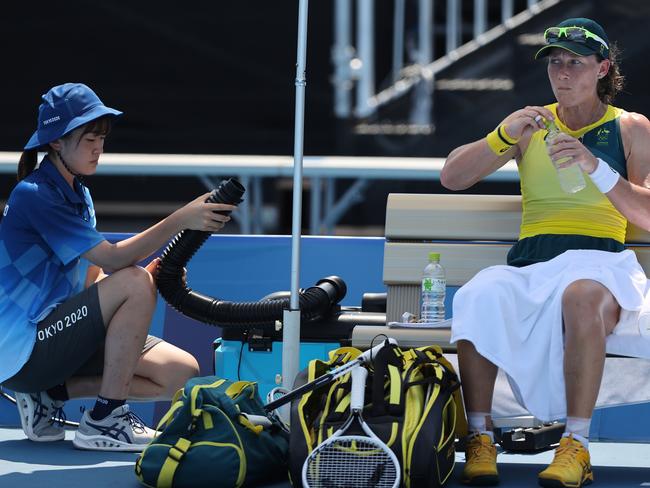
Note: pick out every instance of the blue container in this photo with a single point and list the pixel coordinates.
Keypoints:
(233, 360)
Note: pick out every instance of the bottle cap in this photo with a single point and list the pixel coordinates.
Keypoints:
(551, 125)
(434, 256)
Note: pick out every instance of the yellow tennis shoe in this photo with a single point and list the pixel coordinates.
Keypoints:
(480, 462)
(571, 466)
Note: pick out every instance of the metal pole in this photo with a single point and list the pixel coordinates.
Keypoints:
(291, 317)
(453, 25)
(315, 206)
(330, 195)
(507, 10)
(366, 53)
(425, 32)
(480, 17)
(421, 111)
(341, 56)
(398, 39)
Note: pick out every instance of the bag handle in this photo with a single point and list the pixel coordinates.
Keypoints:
(387, 363)
(169, 467)
(168, 416)
(453, 382)
(225, 402)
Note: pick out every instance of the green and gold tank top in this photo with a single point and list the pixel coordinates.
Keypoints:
(554, 221)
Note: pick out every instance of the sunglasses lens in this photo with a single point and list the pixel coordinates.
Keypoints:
(576, 34)
(552, 34)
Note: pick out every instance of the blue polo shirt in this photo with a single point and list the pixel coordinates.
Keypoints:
(46, 227)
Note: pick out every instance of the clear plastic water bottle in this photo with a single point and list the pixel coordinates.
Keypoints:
(434, 285)
(571, 178)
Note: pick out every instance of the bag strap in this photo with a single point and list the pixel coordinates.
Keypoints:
(340, 395)
(313, 401)
(168, 416)
(453, 382)
(196, 400)
(169, 467)
(387, 365)
(237, 388)
(428, 358)
(317, 368)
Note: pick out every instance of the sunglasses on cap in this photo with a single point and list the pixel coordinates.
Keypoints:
(575, 34)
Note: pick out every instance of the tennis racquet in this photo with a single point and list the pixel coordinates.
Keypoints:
(328, 378)
(352, 461)
(275, 394)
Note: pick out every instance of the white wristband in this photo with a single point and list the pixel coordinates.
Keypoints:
(604, 176)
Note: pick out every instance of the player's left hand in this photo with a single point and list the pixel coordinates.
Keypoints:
(566, 146)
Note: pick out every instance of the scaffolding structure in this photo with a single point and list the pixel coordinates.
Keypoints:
(413, 70)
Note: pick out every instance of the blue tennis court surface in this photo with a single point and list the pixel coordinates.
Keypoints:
(27, 464)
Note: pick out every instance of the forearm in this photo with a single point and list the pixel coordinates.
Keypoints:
(140, 246)
(197, 215)
(112, 257)
(632, 201)
(469, 164)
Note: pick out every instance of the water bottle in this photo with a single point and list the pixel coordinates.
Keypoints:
(571, 178)
(434, 286)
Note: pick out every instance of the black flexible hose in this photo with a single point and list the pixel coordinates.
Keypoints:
(315, 302)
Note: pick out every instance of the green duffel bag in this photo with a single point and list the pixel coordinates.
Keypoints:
(207, 440)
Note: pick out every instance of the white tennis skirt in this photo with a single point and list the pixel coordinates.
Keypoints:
(513, 316)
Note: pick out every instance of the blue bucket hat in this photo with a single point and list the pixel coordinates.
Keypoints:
(65, 108)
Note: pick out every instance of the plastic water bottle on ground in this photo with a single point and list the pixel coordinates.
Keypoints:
(434, 285)
(571, 178)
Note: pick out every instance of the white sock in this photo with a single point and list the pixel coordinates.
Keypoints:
(583, 440)
(579, 427)
(477, 423)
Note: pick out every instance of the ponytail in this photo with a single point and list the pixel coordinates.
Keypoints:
(610, 85)
(27, 163)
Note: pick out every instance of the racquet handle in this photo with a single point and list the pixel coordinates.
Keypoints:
(359, 376)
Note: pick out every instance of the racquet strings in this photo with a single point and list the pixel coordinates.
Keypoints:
(351, 462)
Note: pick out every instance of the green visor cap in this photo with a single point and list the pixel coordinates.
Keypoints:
(595, 41)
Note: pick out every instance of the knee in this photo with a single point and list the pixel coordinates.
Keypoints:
(188, 368)
(138, 284)
(583, 305)
(177, 372)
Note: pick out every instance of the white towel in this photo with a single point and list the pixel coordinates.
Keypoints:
(513, 316)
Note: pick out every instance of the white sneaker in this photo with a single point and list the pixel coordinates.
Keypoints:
(41, 417)
(122, 430)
